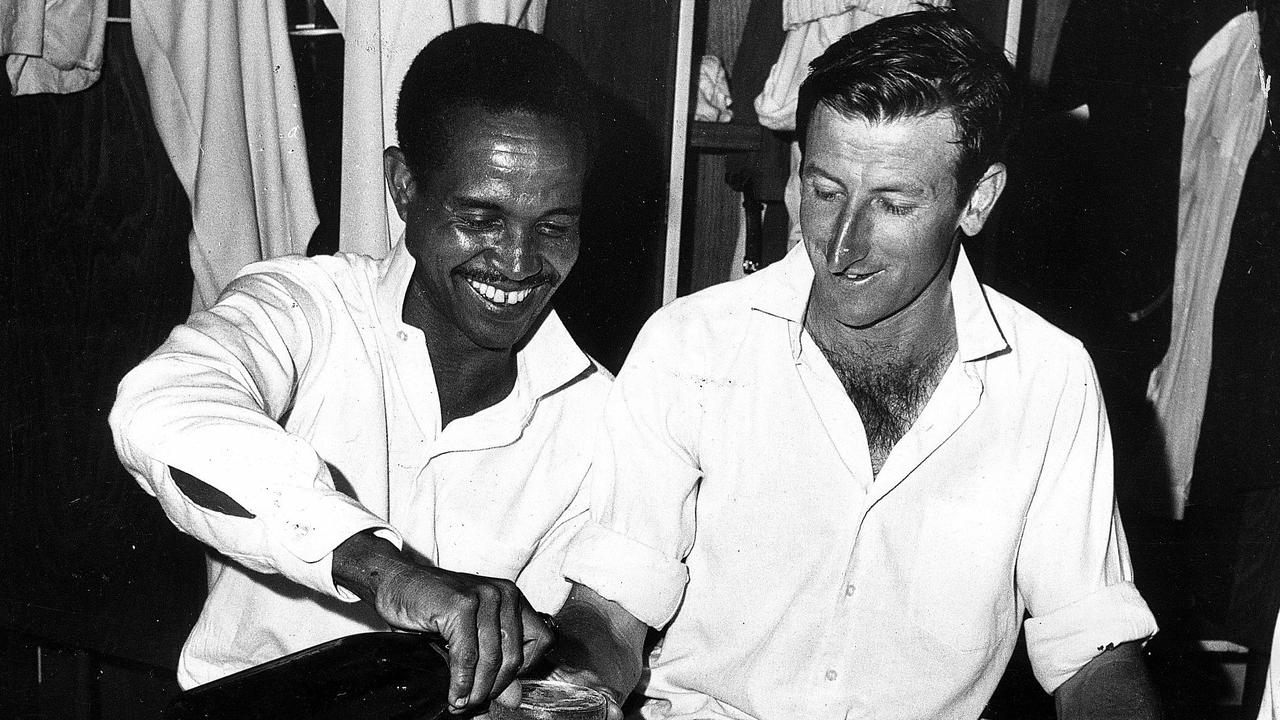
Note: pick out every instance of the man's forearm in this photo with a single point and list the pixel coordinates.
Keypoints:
(1115, 684)
(363, 562)
(600, 638)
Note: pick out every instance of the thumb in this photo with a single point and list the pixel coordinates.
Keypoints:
(511, 696)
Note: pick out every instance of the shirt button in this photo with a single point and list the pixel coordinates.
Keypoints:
(404, 336)
(831, 675)
(848, 590)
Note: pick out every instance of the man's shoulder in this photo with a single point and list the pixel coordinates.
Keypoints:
(1031, 336)
(718, 313)
(342, 279)
(593, 383)
(314, 268)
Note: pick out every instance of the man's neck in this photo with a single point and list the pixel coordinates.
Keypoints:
(914, 331)
(890, 370)
(469, 378)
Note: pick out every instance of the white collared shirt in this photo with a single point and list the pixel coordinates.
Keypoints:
(303, 397)
(733, 502)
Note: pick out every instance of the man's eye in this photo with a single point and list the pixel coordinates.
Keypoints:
(823, 192)
(483, 224)
(555, 229)
(896, 209)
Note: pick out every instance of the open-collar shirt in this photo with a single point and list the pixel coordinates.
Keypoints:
(305, 399)
(734, 506)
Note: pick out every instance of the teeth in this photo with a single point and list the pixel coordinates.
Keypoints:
(497, 296)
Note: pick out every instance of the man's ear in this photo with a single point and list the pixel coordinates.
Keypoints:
(400, 183)
(983, 199)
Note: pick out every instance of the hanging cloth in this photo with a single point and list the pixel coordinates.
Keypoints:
(1226, 109)
(811, 27)
(382, 37)
(225, 98)
(52, 46)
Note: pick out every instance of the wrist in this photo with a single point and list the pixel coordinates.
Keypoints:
(365, 564)
(587, 647)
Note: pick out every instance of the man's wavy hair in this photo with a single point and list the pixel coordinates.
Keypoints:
(494, 68)
(913, 65)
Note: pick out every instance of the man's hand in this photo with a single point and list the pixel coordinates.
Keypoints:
(491, 630)
(599, 647)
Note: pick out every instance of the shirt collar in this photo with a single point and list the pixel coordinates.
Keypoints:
(546, 363)
(978, 333)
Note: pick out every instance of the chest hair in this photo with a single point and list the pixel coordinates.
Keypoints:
(889, 388)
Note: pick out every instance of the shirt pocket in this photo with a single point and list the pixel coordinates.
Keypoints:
(962, 590)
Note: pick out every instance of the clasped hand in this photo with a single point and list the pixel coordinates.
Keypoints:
(491, 631)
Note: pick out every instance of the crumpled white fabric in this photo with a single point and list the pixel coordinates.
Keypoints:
(52, 46)
(714, 101)
(224, 96)
(1226, 109)
(382, 37)
(812, 25)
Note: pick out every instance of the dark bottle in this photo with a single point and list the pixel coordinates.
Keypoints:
(373, 676)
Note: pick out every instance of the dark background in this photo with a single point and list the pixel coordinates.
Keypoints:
(99, 590)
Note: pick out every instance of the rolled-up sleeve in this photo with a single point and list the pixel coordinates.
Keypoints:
(1065, 640)
(644, 479)
(1074, 571)
(208, 402)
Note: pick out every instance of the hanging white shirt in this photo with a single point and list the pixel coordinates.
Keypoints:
(305, 398)
(224, 97)
(1226, 109)
(52, 46)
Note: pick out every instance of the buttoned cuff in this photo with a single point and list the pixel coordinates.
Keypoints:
(310, 528)
(645, 582)
(1065, 640)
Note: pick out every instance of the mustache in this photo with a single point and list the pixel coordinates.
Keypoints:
(493, 277)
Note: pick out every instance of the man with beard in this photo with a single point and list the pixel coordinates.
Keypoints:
(839, 484)
(409, 432)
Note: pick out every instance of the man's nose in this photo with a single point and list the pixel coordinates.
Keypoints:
(851, 242)
(516, 254)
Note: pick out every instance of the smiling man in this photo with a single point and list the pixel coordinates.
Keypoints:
(409, 432)
(840, 485)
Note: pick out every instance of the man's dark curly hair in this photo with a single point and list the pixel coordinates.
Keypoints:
(917, 64)
(495, 68)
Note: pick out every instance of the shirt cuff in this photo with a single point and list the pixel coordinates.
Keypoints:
(645, 582)
(1066, 639)
(309, 532)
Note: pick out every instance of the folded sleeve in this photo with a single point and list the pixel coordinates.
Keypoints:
(1074, 571)
(209, 403)
(644, 478)
(1065, 640)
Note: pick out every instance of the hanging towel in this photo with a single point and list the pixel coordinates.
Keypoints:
(382, 37)
(1226, 108)
(225, 98)
(52, 46)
